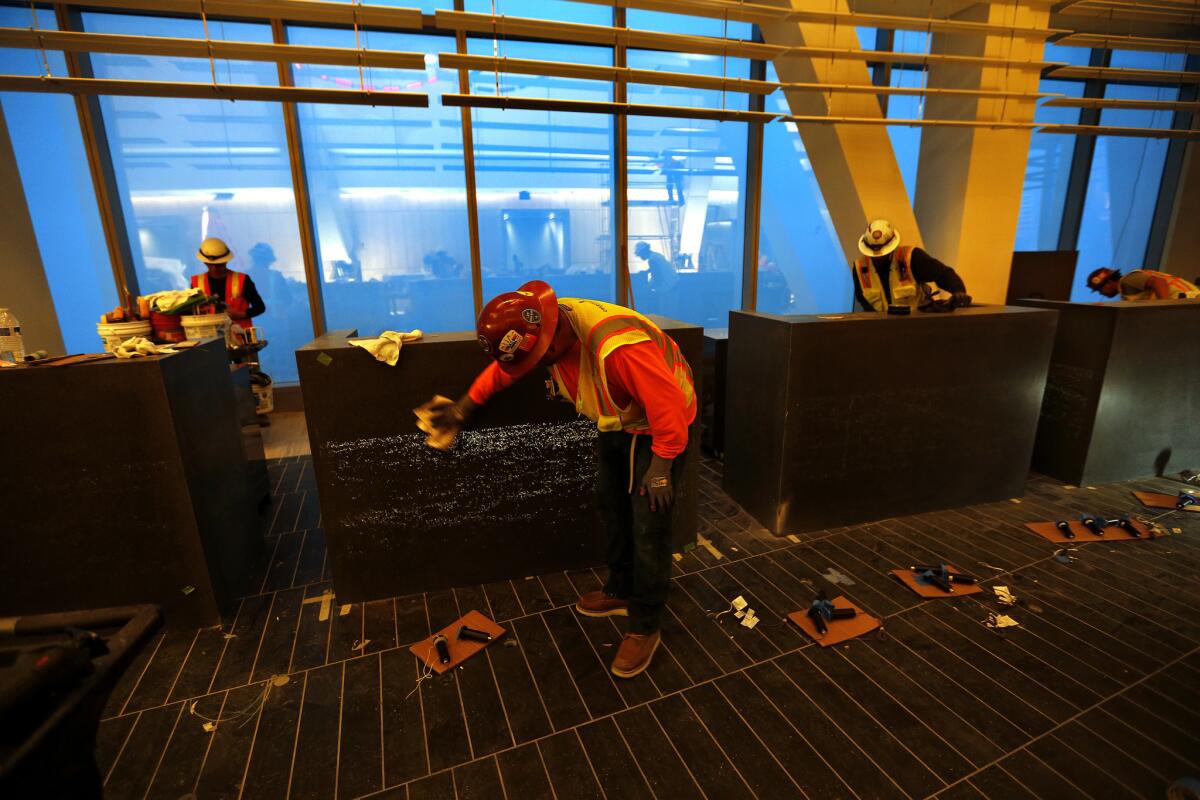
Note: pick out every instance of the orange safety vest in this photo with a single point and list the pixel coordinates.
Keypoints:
(602, 328)
(235, 284)
(905, 289)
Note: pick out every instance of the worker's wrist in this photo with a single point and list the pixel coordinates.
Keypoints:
(466, 406)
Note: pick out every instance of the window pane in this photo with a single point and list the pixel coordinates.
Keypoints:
(1144, 59)
(1077, 56)
(387, 192)
(686, 196)
(1122, 188)
(428, 6)
(44, 129)
(557, 10)
(544, 178)
(694, 26)
(190, 169)
(801, 267)
(1046, 174)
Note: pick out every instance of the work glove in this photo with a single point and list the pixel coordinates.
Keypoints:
(961, 300)
(657, 484)
(448, 415)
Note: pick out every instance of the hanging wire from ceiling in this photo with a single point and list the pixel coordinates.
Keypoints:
(41, 44)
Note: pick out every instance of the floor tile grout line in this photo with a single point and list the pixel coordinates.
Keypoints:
(671, 742)
(512, 738)
(382, 741)
(337, 764)
(1074, 717)
(250, 747)
(262, 586)
(299, 555)
(162, 638)
(637, 765)
(542, 760)
(262, 635)
(211, 738)
(421, 677)
(121, 750)
(720, 747)
(566, 669)
(854, 702)
(295, 736)
(227, 637)
(182, 664)
(1166, 779)
(588, 759)
(162, 755)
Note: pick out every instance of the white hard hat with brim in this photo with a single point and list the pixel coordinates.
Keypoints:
(214, 251)
(879, 240)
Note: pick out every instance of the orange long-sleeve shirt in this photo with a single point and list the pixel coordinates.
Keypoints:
(635, 372)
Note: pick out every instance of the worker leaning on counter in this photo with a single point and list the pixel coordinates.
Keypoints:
(1141, 284)
(242, 300)
(891, 275)
(621, 371)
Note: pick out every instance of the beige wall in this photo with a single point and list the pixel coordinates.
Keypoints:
(1179, 254)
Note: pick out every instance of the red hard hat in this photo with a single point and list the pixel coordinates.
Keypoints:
(516, 328)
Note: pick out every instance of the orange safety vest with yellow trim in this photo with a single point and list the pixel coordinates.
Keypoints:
(1177, 285)
(235, 284)
(906, 291)
(602, 328)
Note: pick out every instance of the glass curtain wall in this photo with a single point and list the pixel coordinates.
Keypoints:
(801, 267)
(387, 191)
(906, 139)
(190, 169)
(50, 155)
(544, 178)
(1047, 173)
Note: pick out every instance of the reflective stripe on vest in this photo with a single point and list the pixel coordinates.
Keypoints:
(235, 284)
(905, 290)
(1175, 284)
(602, 328)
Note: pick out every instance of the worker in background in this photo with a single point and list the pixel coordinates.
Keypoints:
(621, 371)
(236, 289)
(889, 274)
(664, 280)
(1141, 284)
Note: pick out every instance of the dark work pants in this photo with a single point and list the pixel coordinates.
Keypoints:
(639, 540)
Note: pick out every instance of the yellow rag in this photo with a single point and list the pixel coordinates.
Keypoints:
(386, 347)
(438, 438)
(140, 346)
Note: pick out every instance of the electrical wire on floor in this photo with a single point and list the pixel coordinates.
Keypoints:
(426, 671)
(242, 715)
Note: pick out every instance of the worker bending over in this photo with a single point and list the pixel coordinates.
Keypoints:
(621, 371)
(242, 300)
(1141, 284)
(891, 275)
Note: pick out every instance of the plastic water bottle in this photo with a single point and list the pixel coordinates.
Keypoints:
(12, 346)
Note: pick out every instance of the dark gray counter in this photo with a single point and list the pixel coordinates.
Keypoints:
(716, 350)
(1123, 396)
(838, 419)
(126, 482)
(514, 496)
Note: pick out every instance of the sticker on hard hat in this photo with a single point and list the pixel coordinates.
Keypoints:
(528, 342)
(484, 343)
(876, 234)
(532, 316)
(511, 341)
(506, 356)
(525, 294)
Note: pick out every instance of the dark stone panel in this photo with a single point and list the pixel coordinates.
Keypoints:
(148, 478)
(317, 737)
(131, 775)
(403, 727)
(180, 766)
(479, 780)
(615, 765)
(360, 765)
(716, 355)
(1120, 401)
(225, 766)
(523, 472)
(825, 407)
(523, 774)
(568, 767)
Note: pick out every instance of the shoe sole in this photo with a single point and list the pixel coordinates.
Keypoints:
(635, 672)
(616, 612)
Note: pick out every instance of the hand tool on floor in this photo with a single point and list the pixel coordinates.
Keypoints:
(443, 648)
(472, 635)
(1126, 524)
(1093, 523)
(822, 612)
(940, 576)
(1186, 499)
(1065, 527)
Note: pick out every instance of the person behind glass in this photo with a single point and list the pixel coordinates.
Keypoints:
(621, 371)
(664, 280)
(236, 289)
(891, 275)
(1141, 284)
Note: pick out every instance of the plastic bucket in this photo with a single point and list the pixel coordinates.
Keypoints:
(113, 333)
(167, 327)
(206, 326)
(264, 394)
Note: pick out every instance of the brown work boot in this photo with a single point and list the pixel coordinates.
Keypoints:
(599, 604)
(635, 654)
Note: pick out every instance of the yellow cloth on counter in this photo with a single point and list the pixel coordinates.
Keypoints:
(140, 346)
(386, 347)
(437, 439)
(168, 301)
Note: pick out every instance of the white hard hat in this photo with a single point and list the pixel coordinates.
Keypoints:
(214, 251)
(879, 240)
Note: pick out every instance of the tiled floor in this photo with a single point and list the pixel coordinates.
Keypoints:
(1097, 694)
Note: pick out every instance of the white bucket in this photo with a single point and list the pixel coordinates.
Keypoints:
(264, 397)
(113, 333)
(206, 326)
